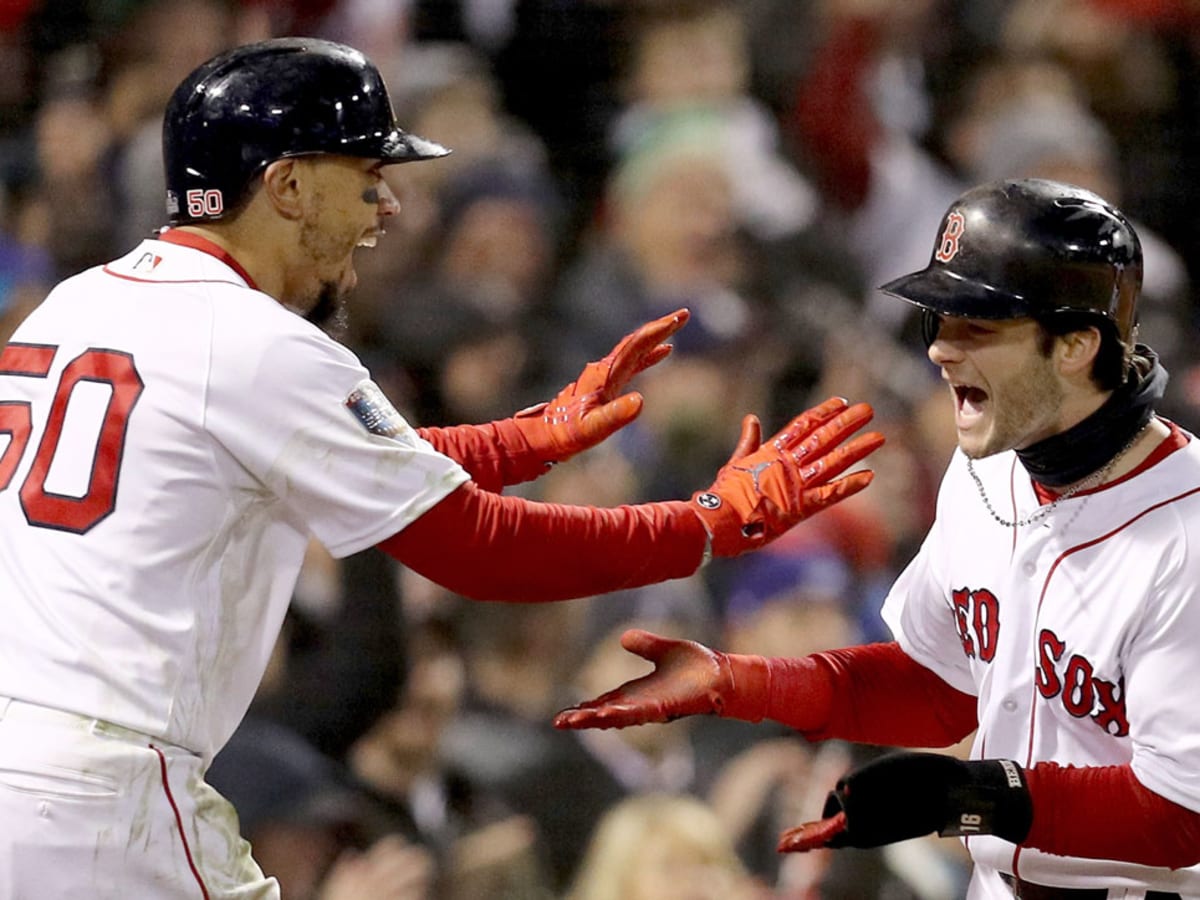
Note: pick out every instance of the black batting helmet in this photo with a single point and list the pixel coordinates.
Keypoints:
(1030, 248)
(255, 104)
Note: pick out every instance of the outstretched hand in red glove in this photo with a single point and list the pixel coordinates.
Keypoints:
(592, 407)
(688, 679)
(765, 489)
(585, 412)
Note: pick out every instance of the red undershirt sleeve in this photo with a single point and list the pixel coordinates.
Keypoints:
(877, 694)
(874, 694)
(1104, 812)
(490, 547)
(494, 454)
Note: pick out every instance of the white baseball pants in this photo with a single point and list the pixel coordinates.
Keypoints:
(88, 809)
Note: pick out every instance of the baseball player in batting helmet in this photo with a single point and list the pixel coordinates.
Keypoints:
(178, 429)
(1053, 607)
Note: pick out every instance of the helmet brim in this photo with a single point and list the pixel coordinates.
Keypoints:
(401, 146)
(946, 293)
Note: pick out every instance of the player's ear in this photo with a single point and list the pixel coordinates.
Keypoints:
(283, 187)
(1077, 350)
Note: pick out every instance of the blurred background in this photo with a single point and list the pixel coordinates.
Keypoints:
(766, 163)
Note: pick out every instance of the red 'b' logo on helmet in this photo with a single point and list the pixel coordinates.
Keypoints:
(948, 248)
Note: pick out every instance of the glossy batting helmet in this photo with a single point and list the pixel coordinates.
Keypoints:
(1036, 248)
(255, 104)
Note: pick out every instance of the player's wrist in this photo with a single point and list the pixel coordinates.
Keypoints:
(526, 457)
(730, 531)
(748, 687)
(993, 798)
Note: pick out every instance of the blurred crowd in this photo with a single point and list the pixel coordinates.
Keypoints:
(766, 163)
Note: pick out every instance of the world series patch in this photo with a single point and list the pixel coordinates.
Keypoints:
(376, 413)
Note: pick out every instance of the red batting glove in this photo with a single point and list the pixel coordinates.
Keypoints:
(764, 490)
(589, 409)
(688, 679)
(812, 835)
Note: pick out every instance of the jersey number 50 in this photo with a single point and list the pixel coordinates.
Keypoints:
(44, 508)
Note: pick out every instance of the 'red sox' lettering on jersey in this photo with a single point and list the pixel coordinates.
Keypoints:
(977, 618)
(1072, 679)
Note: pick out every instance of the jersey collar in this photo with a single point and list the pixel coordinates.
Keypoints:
(1176, 440)
(204, 245)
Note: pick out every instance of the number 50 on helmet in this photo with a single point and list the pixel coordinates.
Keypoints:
(246, 108)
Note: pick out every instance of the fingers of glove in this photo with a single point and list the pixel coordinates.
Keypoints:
(613, 709)
(804, 424)
(594, 425)
(826, 495)
(812, 835)
(826, 435)
(615, 370)
(659, 330)
(652, 358)
(648, 645)
(641, 349)
(609, 375)
(750, 438)
(832, 464)
(654, 698)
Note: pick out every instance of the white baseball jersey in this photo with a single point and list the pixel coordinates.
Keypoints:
(174, 437)
(1079, 634)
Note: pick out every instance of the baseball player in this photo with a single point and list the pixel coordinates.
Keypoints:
(1054, 604)
(175, 428)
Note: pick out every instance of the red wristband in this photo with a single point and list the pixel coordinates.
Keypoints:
(750, 680)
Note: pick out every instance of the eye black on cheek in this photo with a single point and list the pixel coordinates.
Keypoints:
(371, 196)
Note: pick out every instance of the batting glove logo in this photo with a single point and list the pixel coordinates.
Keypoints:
(708, 500)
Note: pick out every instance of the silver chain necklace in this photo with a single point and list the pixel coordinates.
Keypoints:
(1097, 477)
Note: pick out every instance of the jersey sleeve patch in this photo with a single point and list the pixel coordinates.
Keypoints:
(376, 413)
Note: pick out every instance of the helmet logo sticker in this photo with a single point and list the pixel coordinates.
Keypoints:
(949, 245)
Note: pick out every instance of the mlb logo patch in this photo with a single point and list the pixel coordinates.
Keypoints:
(147, 262)
(376, 413)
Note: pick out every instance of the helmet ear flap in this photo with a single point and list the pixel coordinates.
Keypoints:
(931, 324)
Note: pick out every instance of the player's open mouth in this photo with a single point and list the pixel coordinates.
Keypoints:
(371, 237)
(969, 402)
